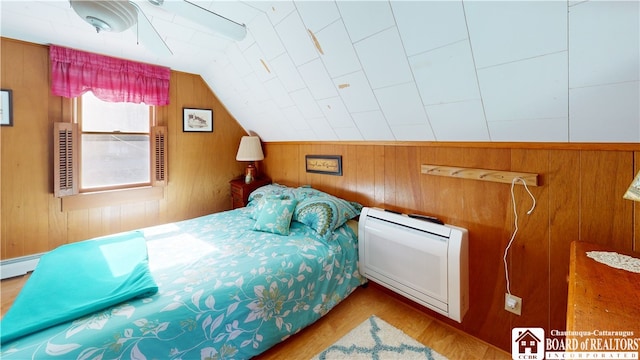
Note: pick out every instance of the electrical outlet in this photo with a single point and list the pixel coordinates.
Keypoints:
(512, 304)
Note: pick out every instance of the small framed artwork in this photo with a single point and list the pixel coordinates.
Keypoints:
(633, 193)
(324, 164)
(6, 108)
(197, 120)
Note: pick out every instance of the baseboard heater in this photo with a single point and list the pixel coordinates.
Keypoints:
(18, 266)
(422, 260)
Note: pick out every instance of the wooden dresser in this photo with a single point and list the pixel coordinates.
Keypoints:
(601, 297)
(240, 191)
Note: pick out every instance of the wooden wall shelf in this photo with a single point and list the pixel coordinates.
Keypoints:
(480, 174)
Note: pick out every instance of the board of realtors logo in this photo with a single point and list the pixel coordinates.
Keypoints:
(527, 343)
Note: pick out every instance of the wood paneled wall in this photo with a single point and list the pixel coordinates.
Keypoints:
(31, 220)
(579, 198)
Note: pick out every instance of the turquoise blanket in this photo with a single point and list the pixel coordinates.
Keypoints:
(78, 279)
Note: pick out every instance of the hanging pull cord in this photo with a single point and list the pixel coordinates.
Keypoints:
(515, 230)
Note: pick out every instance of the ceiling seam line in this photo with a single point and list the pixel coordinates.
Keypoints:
(475, 69)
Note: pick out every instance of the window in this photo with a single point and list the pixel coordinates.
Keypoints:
(110, 146)
(114, 146)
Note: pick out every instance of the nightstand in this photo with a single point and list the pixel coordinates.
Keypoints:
(240, 191)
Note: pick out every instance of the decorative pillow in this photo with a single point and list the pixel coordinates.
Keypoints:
(306, 191)
(258, 204)
(323, 212)
(275, 216)
(272, 189)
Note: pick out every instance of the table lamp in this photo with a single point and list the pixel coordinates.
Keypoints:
(250, 150)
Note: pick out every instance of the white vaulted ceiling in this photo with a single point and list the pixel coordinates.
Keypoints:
(548, 71)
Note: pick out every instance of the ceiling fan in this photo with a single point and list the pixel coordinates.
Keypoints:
(120, 15)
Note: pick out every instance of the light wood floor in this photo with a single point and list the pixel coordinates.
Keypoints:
(9, 289)
(371, 300)
(363, 303)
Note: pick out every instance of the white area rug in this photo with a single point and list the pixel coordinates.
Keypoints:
(376, 339)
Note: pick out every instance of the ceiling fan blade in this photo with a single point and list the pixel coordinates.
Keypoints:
(202, 16)
(148, 35)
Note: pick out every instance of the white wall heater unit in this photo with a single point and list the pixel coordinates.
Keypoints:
(425, 261)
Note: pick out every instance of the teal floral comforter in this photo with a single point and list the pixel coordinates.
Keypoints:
(225, 292)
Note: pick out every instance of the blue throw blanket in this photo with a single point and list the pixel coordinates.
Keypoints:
(78, 279)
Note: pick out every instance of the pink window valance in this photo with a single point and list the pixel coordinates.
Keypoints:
(110, 79)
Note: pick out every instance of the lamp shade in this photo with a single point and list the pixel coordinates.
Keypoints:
(250, 149)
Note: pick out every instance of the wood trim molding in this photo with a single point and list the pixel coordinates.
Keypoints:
(636, 207)
(484, 145)
(111, 198)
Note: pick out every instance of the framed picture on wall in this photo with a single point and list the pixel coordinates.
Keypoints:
(324, 164)
(6, 108)
(633, 193)
(197, 120)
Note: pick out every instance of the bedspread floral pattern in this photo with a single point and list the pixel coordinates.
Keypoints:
(225, 292)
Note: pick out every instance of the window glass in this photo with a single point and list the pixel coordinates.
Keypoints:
(114, 144)
(102, 116)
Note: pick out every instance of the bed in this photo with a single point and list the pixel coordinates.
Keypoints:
(229, 285)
